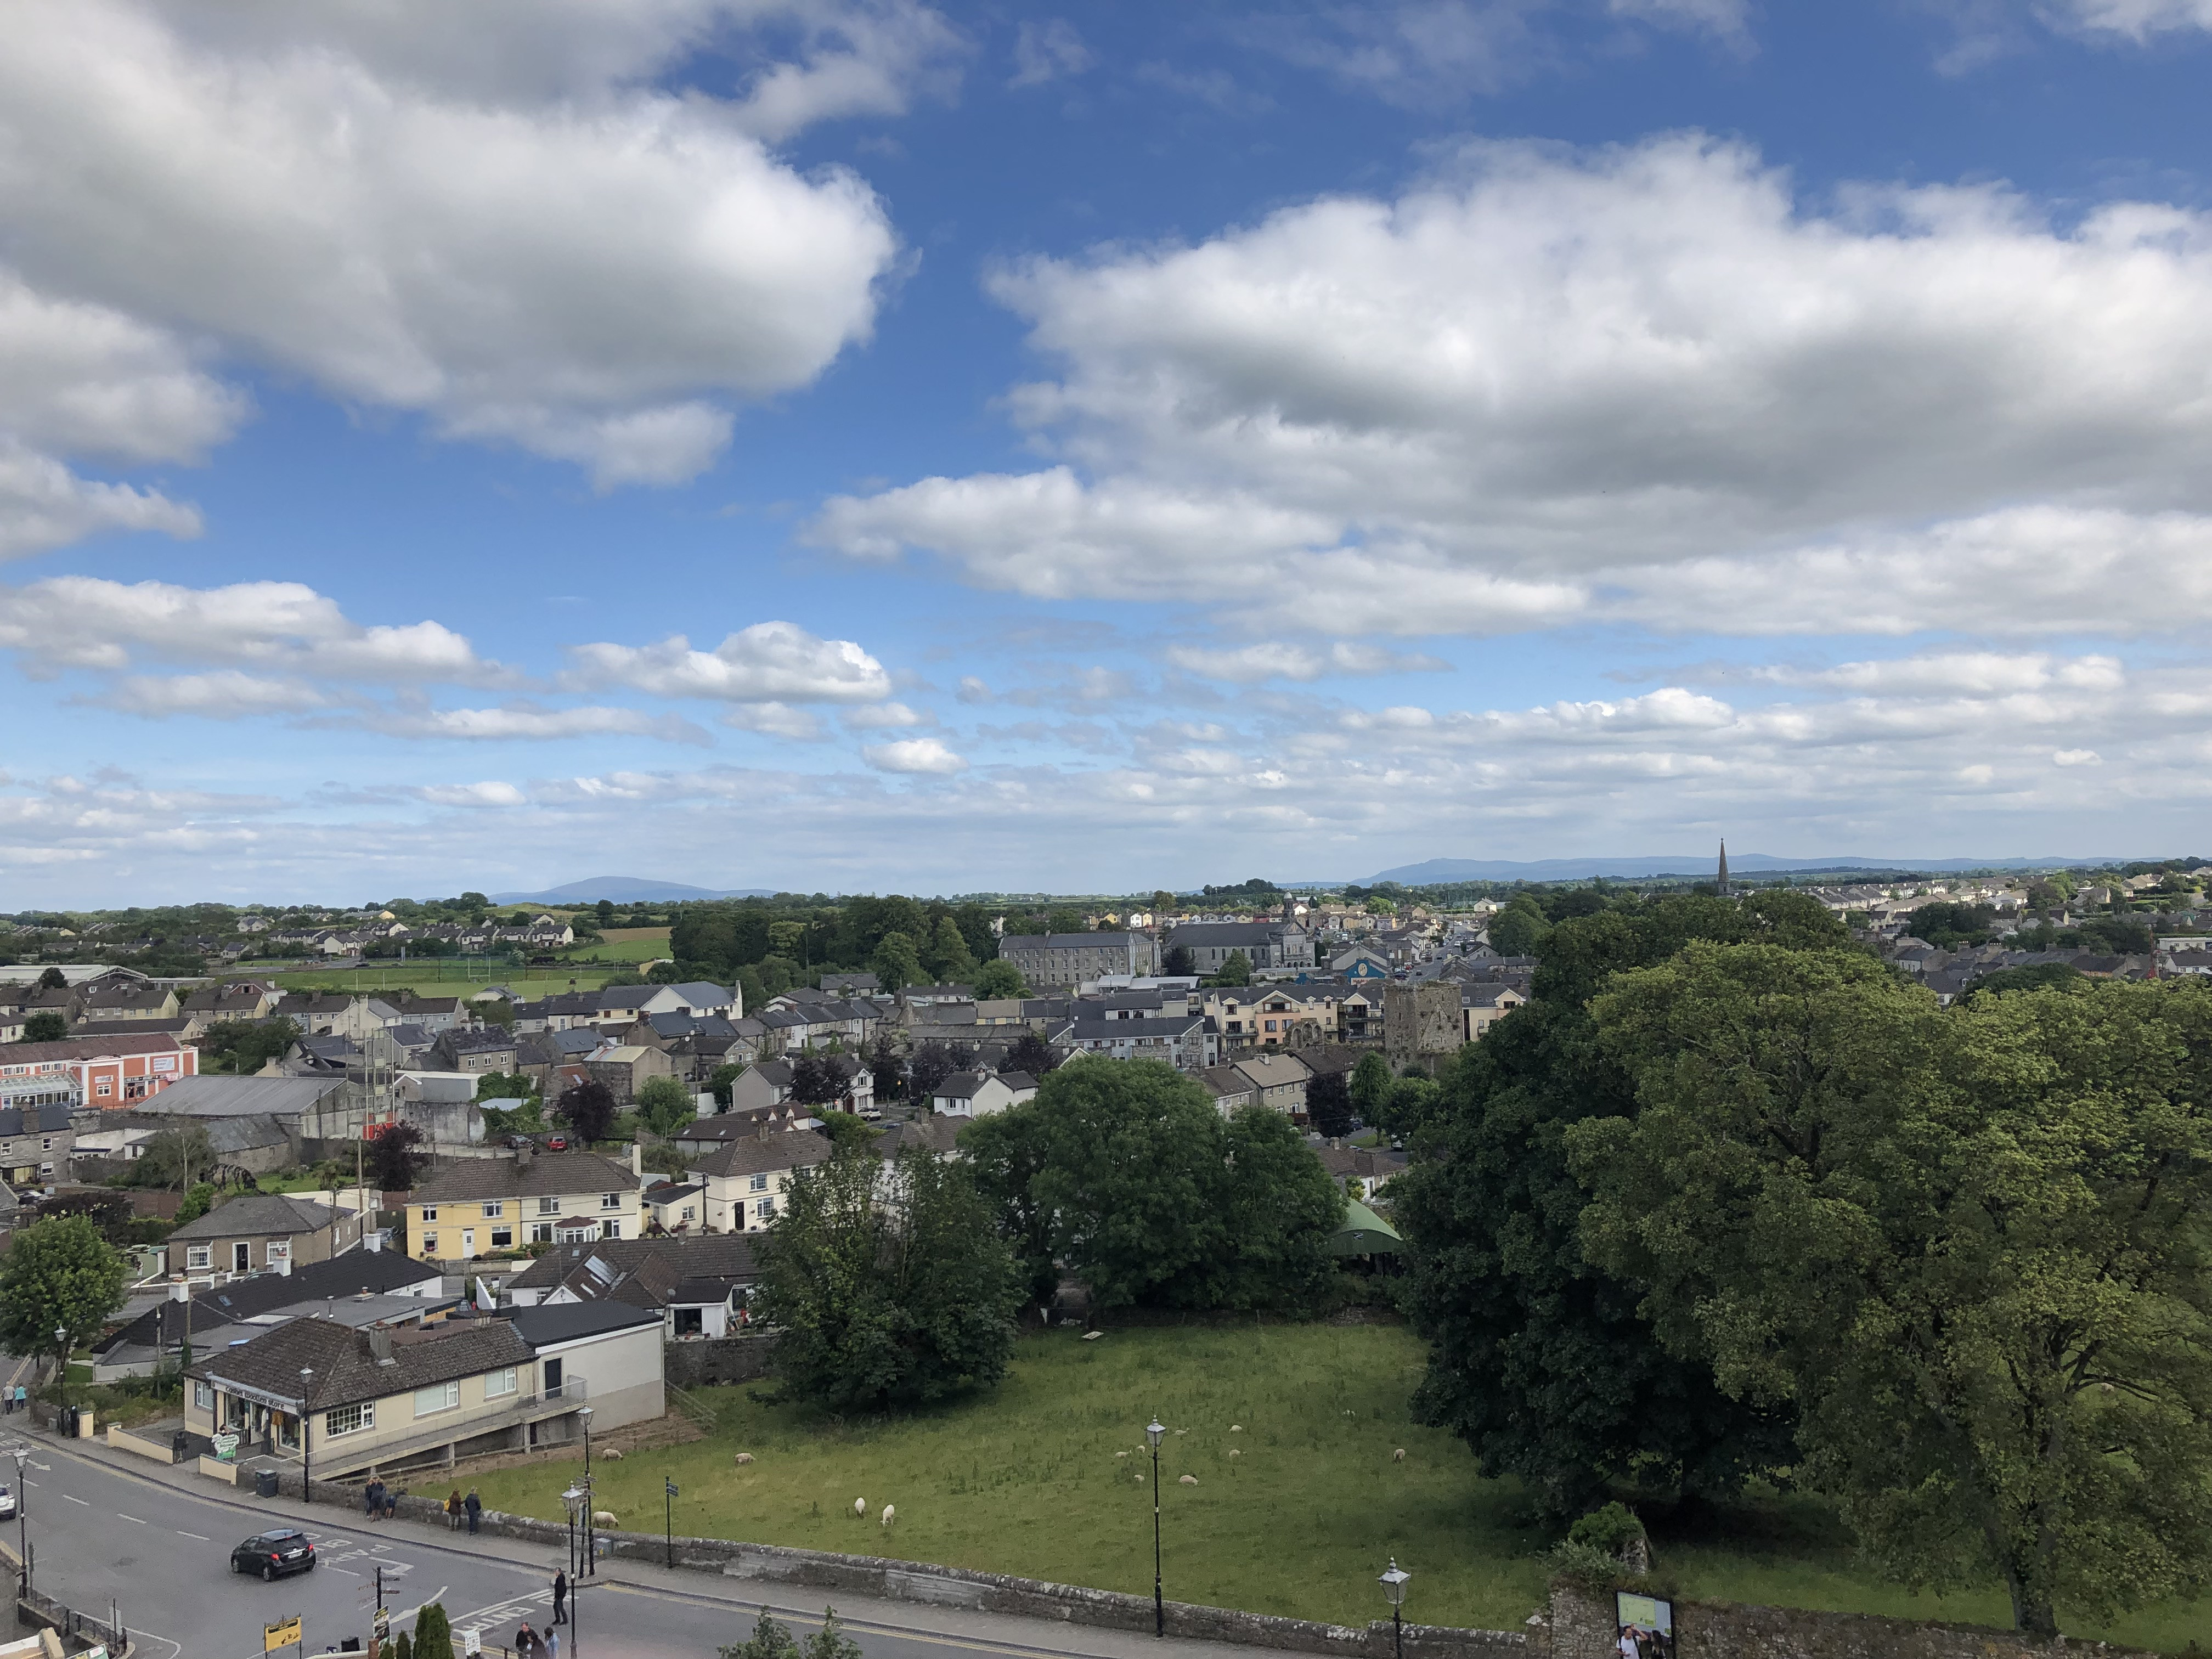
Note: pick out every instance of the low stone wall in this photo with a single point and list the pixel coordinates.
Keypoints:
(123, 1440)
(1582, 1627)
(721, 1359)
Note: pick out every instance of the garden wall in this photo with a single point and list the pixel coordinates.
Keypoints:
(720, 1359)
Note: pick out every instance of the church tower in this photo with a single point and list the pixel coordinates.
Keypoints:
(1723, 880)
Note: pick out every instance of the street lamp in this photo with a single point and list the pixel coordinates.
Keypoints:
(575, 1498)
(1155, 1431)
(22, 1454)
(61, 1365)
(1394, 1586)
(584, 1416)
(306, 1464)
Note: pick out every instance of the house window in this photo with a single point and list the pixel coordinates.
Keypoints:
(199, 1255)
(691, 1212)
(760, 1183)
(429, 1212)
(499, 1383)
(429, 1243)
(203, 1396)
(611, 1200)
(347, 1420)
(541, 1232)
(104, 1088)
(438, 1397)
(48, 1145)
(502, 1238)
(765, 1208)
(549, 1207)
(493, 1212)
(611, 1227)
(280, 1249)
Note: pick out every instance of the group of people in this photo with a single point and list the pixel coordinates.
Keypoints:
(15, 1398)
(378, 1501)
(459, 1509)
(546, 1645)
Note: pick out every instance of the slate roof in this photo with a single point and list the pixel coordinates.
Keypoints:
(171, 1029)
(1224, 1082)
(347, 1372)
(692, 1255)
(209, 1095)
(928, 1134)
(256, 1215)
(69, 1049)
(1172, 1025)
(548, 1175)
(795, 1149)
(550, 1324)
(33, 1120)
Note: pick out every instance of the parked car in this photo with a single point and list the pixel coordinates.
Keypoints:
(7, 1504)
(274, 1554)
(556, 1143)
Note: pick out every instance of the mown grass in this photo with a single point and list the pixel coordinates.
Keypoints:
(624, 945)
(449, 977)
(1031, 1479)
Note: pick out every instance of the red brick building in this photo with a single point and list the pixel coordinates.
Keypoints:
(108, 1072)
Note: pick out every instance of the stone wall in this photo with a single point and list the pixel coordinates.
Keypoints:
(1582, 1627)
(722, 1359)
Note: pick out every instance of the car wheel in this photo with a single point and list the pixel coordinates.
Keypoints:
(233, 1563)
(269, 1573)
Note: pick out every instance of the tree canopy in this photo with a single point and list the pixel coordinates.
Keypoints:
(666, 1105)
(588, 1109)
(57, 1276)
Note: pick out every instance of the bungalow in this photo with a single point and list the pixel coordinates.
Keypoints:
(979, 1094)
(267, 1230)
(476, 1207)
(746, 1180)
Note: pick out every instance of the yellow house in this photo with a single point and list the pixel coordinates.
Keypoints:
(492, 1206)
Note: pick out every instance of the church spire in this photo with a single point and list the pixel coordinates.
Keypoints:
(1723, 882)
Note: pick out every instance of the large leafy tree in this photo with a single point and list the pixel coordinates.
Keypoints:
(395, 1158)
(896, 962)
(1281, 1208)
(588, 1109)
(44, 1025)
(890, 1285)
(1328, 1105)
(949, 957)
(1236, 969)
(815, 1079)
(57, 1276)
(995, 980)
(1005, 1153)
(1970, 1249)
(1370, 1086)
(1032, 1054)
(1539, 1361)
(933, 1062)
(666, 1105)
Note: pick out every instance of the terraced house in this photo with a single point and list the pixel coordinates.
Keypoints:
(490, 1207)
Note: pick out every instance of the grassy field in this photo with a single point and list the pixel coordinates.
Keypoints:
(624, 944)
(434, 977)
(1031, 1480)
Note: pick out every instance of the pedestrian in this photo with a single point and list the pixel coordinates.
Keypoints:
(391, 1503)
(560, 1595)
(474, 1506)
(453, 1509)
(552, 1644)
(526, 1643)
(371, 1500)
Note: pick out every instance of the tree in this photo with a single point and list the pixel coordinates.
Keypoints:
(1948, 926)
(722, 1080)
(44, 1025)
(1328, 1105)
(1519, 928)
(496, 1011)
(1370, 1087)
(666, 1106)
(1178, 963)
(434, 1630)
(890, 1286)
(1537, 1360)
(1032, 1054)
(950, 959)
(2117, 935)
(2036, 976)
(588, 1109)
(933, 1062)
(996, 981)
(816, 1079)
(896, 964)
(1236, 969)
(605, 912)
(1005, 1153)
(245, 1046)
(108, 1210)
(769, 1640)
(1969, 1247)
(53, 980)
(394, 1158)
(169, 1159)
(58, 1275)
(1281, 1209)
(199, 1198)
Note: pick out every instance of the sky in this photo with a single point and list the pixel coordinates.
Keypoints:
(872, 446)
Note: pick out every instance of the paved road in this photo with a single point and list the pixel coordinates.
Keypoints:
(102, 1531)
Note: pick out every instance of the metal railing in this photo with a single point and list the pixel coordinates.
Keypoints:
(68, 1622)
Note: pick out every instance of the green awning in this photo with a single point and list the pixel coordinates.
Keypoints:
(1365, 1233)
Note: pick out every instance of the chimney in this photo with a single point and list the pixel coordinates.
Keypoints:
(379, 1344)
(372, 1239)
(284, 1265)
(637, 1164)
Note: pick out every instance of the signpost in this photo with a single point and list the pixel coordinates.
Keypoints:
(668, 1524)
(283, 1634)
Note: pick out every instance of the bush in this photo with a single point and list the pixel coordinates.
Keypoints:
(1612, 1529)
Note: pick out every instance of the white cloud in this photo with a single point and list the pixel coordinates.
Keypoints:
(532, 723)
(44, 505)
(771, 661)
(923, 755)
(224, 695)
(1285, 660)
(1646, 384)
(2136, 19)
(2075, 758)
(490, 794)
(1047, 49)
(887, 715)
(485, 215)
(88, 622)
(778, 720)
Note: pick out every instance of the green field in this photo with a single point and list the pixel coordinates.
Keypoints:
(434, 977)
(624, 945)
(1028, 1481)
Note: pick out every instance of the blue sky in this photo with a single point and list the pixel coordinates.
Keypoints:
(867, 445)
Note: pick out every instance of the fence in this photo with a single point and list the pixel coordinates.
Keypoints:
(34, 1607)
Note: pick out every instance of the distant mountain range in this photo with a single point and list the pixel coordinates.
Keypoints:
(1680, 864)
(626, 889)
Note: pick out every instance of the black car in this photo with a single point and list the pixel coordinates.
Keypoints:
(273, 1555)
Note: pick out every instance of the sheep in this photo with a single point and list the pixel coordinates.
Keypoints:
(1189, 1479)
(1236, 1454)
(1092, 1336)
(859, 1506)
(890, 1513)
(743, 1458)
(613, 1453)
(1121, 1454)
(1399, 1456)
(604, 1518)
(1236, 1428)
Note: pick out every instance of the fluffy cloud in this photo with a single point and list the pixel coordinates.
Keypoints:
(771, 661)
(1284, 660)
(777, 720)
(1646, 383)
(489, 793)
(922, 755)
(533, 723)
(887, 715)
(483, 215)
(2136, 19)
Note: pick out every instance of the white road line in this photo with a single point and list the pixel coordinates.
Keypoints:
(121, 1516)
(77, 1500)
(202, 1536)
(348, 1571)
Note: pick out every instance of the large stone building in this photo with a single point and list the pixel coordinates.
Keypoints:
(1266, 945)
(1073, 958)
(1421, 1023)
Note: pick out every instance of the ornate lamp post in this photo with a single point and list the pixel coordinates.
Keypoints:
(22, 1454)
(584, 1416)
(1394, 1586)
(307, 1463)
(1155, 1432)
(576, 1498)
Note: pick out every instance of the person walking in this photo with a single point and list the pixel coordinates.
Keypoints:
(552, 1644)
(474, 1506)
(526, 1644)
(371, 1500)
(561, 1596)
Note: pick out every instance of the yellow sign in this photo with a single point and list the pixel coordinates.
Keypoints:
(285, 1635)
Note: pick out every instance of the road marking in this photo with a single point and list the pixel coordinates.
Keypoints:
(76, 1500)
(202, 1536)
(121, 1516)
(348, 1571)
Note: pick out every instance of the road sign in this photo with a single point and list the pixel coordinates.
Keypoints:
(384, 1624)
(471, 1642)
(284, 1635)
(672, 1492)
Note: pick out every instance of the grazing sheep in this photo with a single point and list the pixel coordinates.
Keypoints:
(1236, 1454)
(604, 1518)
(1189, 1479)
(890, 1513)
(1140, 1477)
(1182, 1431)
(613, 1453)
(1121, 1454)
(859, 1506)
(743, 1458)
(1236, 1428)
(1399, 1456)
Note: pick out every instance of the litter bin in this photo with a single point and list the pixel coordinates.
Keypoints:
(180, 1446)
(264, 1483)
(69, 1423)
